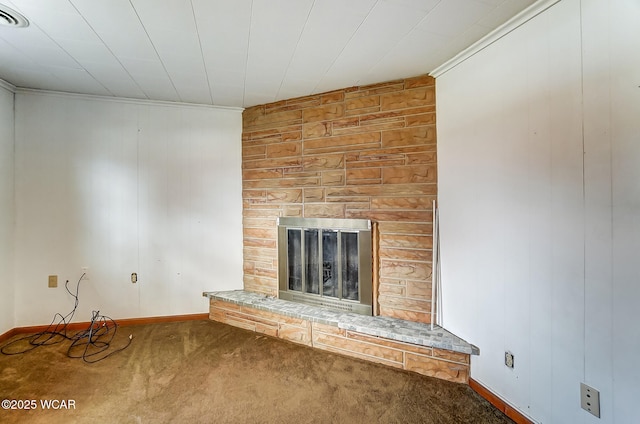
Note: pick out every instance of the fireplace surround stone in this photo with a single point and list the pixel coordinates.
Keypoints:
(389, 341)
(366, 152)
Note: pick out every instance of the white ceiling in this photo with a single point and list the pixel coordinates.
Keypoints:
(236, 52)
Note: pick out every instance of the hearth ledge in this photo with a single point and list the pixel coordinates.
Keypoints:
(389, 328)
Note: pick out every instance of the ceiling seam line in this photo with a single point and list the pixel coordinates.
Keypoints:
(110, 51)
(246, 63)
(295, 50)
(155, 50)
(406, 35)
(204, 65)
(32, 60)
(315, 88)
(65, 51)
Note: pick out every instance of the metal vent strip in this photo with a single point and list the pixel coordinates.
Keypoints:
(10, 17)
(324, 302)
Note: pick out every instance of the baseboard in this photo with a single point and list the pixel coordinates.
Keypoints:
(7, 335)
(77, 326)
(515, 415)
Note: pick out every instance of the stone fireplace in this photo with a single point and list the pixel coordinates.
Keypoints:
(326, 262)
(366, 152)
(363, 154)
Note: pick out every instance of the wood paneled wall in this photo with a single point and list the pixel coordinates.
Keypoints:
(361, 152)
(7, 211)
(135, 186)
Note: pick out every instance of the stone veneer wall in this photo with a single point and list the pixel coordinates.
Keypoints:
(361, 152)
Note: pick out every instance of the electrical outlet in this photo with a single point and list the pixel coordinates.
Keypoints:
(134, 277)
(509, 359)
(53, 281)
(590, 399)
(85, 273)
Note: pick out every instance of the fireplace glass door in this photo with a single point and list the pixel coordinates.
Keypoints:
(326, 262)
(330, 280)
(335, 271)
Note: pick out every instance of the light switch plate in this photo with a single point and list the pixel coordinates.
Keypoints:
(53, 281)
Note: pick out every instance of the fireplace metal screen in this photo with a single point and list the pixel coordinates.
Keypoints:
(326, 262)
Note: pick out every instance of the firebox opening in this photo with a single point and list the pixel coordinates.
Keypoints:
(326, 262)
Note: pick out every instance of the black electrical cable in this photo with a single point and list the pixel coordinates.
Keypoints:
(93, 344)
(95, 341)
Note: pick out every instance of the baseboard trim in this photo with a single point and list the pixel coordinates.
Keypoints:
(493, 399)
(77, 326)
(7, 335)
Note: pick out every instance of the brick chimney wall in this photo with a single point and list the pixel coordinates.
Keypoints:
(362, 152)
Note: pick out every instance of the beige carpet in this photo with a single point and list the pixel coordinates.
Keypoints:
(206, 372)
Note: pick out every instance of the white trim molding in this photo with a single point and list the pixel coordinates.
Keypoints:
(7, 86)
(20, 90)
(521, 18)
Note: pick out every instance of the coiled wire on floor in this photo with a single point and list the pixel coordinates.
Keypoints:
(92, 344)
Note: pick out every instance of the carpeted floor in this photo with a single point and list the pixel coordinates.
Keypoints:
(206, 372)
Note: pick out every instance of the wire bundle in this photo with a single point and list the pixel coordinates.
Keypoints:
(92, 344)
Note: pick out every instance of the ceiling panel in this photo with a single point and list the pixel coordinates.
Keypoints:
(503, 12)
(75, 80)
(114, 78)
(36, 45)
(318, 47)
(236, 53)
(86, 49)
(228, 95)
(274, 35)
(117, 24)
(374, 38)
(467, 13)
(423, 5)
(157, 88)
(404, 56)
(178, 46)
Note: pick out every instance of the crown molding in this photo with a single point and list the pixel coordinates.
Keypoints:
(518, 20)
(20, 90)
(7, 86)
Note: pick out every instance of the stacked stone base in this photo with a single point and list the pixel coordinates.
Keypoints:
(429, 361)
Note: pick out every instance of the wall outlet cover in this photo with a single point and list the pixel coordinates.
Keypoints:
(509, 359)
(53, 281)
(590, 399)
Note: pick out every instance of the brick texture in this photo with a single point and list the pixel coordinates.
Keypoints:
(362, 152)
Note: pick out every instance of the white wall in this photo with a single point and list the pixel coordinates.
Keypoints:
(122, 187)
(6, 210)
(540, 241)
